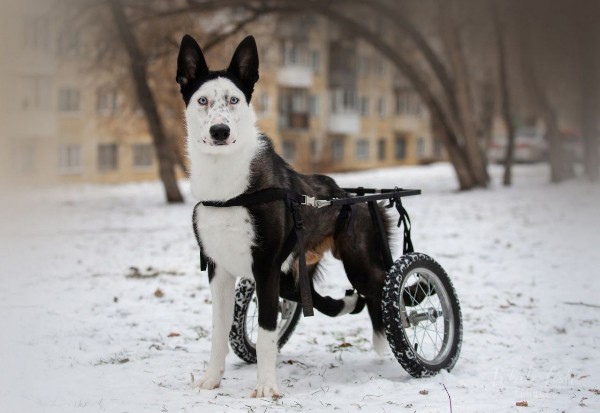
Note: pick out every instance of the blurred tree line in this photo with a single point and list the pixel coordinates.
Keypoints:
(469, 60)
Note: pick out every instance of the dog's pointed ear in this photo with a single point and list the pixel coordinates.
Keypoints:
(190, 62)
(244, 63)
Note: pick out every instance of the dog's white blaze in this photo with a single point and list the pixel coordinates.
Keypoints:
(266, 354)
(219, 173)
(227, 236)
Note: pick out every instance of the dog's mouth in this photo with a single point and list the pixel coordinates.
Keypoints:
(212, 142)
(220, 143)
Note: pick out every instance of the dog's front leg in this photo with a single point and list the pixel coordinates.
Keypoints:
(267, 291)
(222, 288)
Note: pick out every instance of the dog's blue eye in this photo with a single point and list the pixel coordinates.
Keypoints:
(203, 101)
(233, 100)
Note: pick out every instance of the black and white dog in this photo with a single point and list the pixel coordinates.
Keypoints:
(229, 157)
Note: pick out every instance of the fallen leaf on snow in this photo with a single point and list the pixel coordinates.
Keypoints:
(173, 334)
(595, 391)
(424, 392)
(158, 293)
(523, 404)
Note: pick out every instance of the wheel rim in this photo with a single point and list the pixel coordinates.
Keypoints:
(285, 314)
(429, 325)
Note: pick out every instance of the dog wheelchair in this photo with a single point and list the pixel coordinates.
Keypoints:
(421, 311)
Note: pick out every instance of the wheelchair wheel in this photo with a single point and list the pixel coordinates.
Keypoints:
(421, 315)
(244, 330)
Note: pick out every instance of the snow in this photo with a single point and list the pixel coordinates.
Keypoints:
(79, 334)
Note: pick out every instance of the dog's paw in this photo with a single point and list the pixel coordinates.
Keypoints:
(207, 382)
(380, 344)
(266, 389)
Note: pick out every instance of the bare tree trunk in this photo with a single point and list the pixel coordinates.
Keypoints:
(465, 115)
(456, 156)
(589, 36)
(560, 168)
(487, 117)
(503, 84)
(164, 153)
(447, 124)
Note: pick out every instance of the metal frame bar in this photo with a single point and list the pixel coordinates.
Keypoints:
(376, 216)
(376, 195)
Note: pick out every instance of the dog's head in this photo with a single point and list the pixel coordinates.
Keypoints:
(218, 112)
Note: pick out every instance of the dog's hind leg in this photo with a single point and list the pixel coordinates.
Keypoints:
(380, 344)
(267, 291)
(324, 304)
(365, 270)
(222, 288)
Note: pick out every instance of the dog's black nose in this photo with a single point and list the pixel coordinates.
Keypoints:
(219, 132)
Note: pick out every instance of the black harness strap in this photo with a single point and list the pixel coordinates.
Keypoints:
(407, 245)
(293, 202)
(305, 294)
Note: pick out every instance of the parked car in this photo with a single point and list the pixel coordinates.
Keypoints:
(530, 146)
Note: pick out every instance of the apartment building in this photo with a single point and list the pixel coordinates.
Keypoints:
(328, 102)
(333, 104)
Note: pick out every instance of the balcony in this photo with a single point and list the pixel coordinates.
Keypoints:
(295, 76)
(294, 121)
(344, 123)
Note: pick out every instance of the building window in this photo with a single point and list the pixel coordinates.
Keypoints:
(143, 155)
(265, 57)
(381, 106)
(289, 150)
(408, 103)
(364, 106)
(314, 148)
(343, 100)
(362, 65)
(381, 149)
(35, 93)
(437, 148)
(420, 148)
(337, 149)
(315, 105)
(293, 108)
(400, 147)
(315, 61)
(295, 53)
(69, 159)
(362, 150)
(402, 103)
(108, 157)
(380, 67)
(107, 101)
(68, 99)
(37, 34)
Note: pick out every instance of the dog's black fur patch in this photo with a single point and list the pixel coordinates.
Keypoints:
(192, 70)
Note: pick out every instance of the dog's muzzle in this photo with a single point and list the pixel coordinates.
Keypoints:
(219, 133)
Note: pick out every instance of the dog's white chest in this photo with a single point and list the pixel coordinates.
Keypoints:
(227, 236)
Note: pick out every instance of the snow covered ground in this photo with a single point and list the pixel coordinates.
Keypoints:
(81, 330)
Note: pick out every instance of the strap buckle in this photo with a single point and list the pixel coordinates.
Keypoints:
(313, 202)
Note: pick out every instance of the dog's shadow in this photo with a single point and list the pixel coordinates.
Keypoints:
(336, 368)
